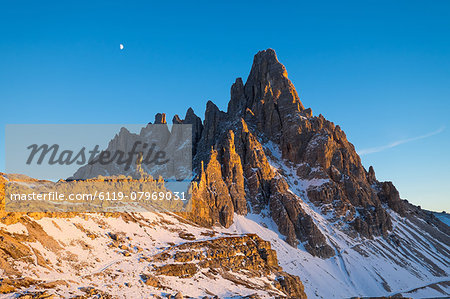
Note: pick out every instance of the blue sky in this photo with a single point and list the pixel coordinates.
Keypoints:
(379, 69)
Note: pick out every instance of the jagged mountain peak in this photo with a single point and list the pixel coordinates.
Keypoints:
(267, 84)
(190, 112)
(266, 67)
(176, 119)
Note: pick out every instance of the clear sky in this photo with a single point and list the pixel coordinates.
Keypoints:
(379, 69)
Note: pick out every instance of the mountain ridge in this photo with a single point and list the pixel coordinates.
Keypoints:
(266, 166)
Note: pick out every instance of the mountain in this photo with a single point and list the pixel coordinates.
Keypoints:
(267, 169)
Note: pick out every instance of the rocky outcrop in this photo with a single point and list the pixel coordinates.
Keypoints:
(233, 174)
(197, 126)
(389, 194)
(160, 119)
(247, 255)
(294, 222)
(212, 202)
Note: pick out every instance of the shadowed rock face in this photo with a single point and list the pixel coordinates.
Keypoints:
(236, 175)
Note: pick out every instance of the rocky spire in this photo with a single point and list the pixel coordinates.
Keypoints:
(268, 80)
(196, 122)
(268, 83)
(268, 99)
(160, 118)
(197, 127)
(237, 99)
(176, 120)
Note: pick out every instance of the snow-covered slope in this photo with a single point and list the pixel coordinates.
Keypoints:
(93, 254)
(371, 268)
(110, 255)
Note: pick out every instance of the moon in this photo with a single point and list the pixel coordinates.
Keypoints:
(121, 46)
